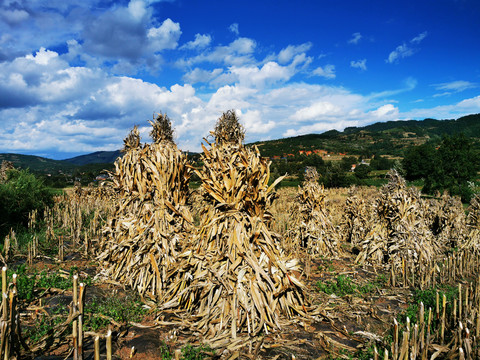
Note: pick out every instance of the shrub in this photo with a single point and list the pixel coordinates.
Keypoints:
(20, 194)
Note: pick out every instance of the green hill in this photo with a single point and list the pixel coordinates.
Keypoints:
(98, 157)
(388, 138)
(38, 164)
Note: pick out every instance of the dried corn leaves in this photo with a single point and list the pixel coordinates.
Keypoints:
(312, 226)
(229, 275)
(151, 218)
(399, 230)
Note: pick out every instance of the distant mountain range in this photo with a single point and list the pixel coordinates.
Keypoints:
(387, 138)
(98, 157)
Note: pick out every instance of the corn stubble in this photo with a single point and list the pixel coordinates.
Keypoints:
(226, 276)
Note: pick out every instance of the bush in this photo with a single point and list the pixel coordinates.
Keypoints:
(20, 194)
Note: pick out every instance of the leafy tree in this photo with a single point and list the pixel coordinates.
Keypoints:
(335, 177)
(419, 161)
(450, 167)
(21, 193)
(381, 163)
(347, 162)
(361, 171)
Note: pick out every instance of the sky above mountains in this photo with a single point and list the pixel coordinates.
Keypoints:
(77, 75)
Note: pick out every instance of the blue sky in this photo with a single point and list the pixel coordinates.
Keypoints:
(76, 76)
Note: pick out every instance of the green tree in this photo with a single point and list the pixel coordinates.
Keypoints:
(456, 166)
(419, 161)
(347, 162)
(381, 163)
(449, 167)
(361, 171)
(21, 193)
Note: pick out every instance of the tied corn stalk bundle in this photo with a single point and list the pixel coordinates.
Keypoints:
(313, 228)
(450, 226)
(151, 218)
(399, 230)
(357, 217)
(473, 224)
(235, 277)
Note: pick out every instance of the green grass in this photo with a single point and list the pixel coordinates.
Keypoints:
(343, 285)
(122, 310)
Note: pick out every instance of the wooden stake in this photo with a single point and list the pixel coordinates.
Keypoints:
(442, 332)
(97, 348)
(109, 345)
(4, 293)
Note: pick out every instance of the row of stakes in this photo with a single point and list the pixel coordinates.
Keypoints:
(10, 330)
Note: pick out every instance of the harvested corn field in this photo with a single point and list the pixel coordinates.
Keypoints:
(237, 269)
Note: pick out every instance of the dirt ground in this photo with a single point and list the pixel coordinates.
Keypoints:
(337, 326)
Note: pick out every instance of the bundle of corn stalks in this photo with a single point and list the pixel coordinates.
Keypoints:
(234, 277)
(152, 217)
(357, 217)
(472, 241)
(450, 226)
(313, 228)
(399, 230)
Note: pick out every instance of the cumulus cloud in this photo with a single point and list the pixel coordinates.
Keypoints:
(164, 37)
(200, 42)
(238, 52)
(14, 16)
(359, 64)
(198, 75)
(356, 37)
(287, 54)
(328, 71)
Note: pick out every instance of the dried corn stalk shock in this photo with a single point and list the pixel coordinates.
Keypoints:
(450, 223)
(357, 217)
(235, 277)
(472, 242)
(313, 228)
(152, 217)
(399, 230)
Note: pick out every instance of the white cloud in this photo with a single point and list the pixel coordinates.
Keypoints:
(200, 42)
(200, 75)
(356, 37)
(328, 71)
(238, 52)
(404, 50)
(452, 111)
(453, 87)
(14, 16)
(165, 36)
(418, 39)
(287, 54)
(359, 64)
(234, 28)
(317, 109)
(386, 112)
